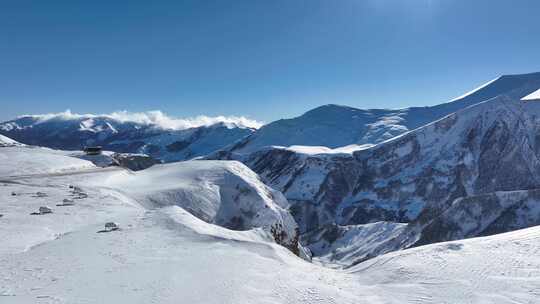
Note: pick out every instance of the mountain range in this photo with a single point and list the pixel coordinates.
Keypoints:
(360, 183)
(417, 205)
(67, 131)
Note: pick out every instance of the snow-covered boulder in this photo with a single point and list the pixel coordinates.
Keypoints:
(45, 210)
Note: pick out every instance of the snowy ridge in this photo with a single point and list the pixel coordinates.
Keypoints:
(533, 96)
(335, 126)
(414, 177)
(163, 254)
(22, 160)
(476, 90)
(227, 194)
(156, 135)
(314, 150)
(7, 142)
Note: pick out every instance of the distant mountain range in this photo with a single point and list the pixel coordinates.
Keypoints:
(74, 132)
(329, 126)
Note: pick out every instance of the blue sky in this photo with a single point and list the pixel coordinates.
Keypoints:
(261, 59)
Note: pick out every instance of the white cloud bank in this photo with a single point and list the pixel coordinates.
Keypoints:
(158, 119)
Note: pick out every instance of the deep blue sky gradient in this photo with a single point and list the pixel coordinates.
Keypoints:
(262, 59)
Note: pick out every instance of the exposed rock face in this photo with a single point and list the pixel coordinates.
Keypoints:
(134, 162)
(345, 245)
(224, 193)
(484, 214)
(421, 177)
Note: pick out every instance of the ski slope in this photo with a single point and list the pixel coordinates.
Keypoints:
(503, 268)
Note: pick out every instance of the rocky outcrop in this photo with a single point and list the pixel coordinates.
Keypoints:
(484, 214)
(134, 162)
(449, 165)
(224, 193)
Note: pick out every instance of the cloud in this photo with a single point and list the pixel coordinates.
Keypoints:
(157, 119)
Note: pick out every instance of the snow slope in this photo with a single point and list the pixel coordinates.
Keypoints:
(503, 268)
(226, 193)
(533, 96)
(414, 178)
(166, 254)
(335, 126)
(314, 150)
(34, 160)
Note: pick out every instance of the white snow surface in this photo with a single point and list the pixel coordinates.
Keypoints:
(221, 192)
(6, 141)
(315, 150)
(475, 90)
(503, 268)
(35, 160)
(533, 96)
(167, 255)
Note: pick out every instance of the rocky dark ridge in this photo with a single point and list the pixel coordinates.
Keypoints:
(425, 177)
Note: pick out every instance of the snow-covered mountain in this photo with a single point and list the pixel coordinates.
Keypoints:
(7, 142)
(225, 193)
(335, 126)
(473, 172)
(446, 179)
(170, 141)
(161, 253)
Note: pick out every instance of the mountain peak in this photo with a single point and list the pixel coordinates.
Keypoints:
(513, 85)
